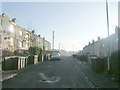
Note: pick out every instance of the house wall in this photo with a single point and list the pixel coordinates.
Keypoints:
(103, 47)
(15, 37)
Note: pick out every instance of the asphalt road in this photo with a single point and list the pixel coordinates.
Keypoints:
(64, 73)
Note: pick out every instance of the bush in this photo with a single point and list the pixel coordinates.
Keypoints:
(30, 60)
(83, 58)
(40, 51)
(115, 64)
(40, 55)
(35, 50)
(6, 53)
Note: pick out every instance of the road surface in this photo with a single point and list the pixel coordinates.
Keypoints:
(64, 73)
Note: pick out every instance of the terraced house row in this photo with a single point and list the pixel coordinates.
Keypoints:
(103, 47)
(16, 38)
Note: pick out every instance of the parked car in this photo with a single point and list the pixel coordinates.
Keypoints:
(77, 56)
(74, 55)
(93, 57)
(55, 56)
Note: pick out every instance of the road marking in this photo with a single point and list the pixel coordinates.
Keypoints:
(48, 80)
(43, 76)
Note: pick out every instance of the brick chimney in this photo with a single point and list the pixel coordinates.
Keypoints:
(14, 20)
(33, 31)
(116, 29)
(92, 41)
(89, 43)
(98, 38)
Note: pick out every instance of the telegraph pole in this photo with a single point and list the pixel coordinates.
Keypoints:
(53, 41)
(107, 17)
(108, 35)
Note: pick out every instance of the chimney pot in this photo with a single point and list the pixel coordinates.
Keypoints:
(33, 31)
(98, 38)
(89, 43)
(116, 29)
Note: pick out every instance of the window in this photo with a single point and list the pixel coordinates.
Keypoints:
(38, 40)
(26, 45)
(27, 36)
(11, 41)
(21, 33)
(103, 45)
(17, 43)
(21, 44)
(11, 28)
(0, 21)
(0, 39)
(41, 41)
(117, 38)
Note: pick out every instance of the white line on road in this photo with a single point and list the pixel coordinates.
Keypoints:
(48, 80)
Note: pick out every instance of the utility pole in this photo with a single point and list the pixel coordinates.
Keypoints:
(108, 35)
(107, 17)
(118, 40)
(53, 41)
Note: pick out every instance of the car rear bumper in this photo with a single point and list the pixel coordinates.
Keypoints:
(55, 58)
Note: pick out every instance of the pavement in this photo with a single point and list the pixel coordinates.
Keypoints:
(101, 80)
(8, 74)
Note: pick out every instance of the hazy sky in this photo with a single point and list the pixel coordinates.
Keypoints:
(74, 23)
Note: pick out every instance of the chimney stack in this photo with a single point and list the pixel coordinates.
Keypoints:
(33, 31)
(116, 29)
(89, 43)
(98, 38)
(92, 41)
(14, 20)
